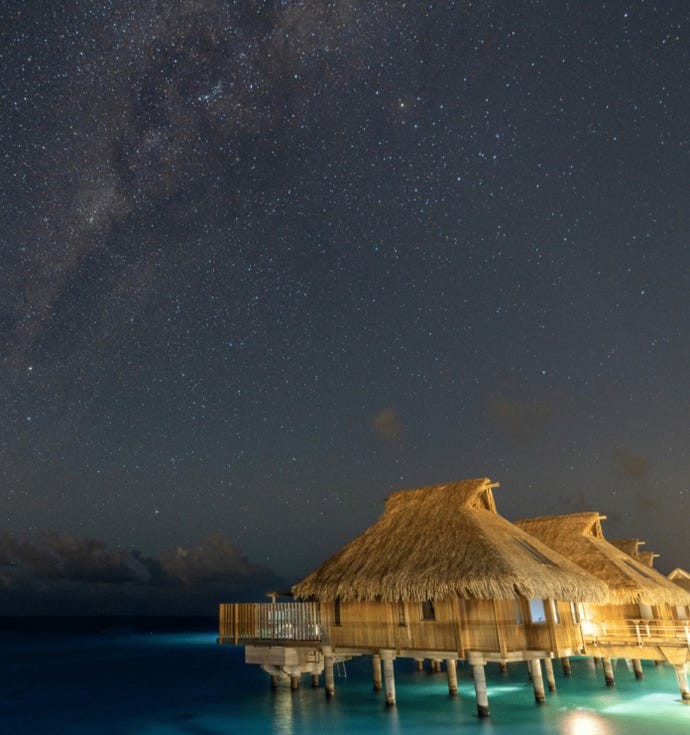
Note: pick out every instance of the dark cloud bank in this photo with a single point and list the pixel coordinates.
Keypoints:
(58, 574)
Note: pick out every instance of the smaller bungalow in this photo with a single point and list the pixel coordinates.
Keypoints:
(645, 615)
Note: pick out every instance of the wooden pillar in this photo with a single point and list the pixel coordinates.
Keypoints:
(452, 672)
(435, 665)
(479, 676)
(503, 666)
(329, 679)
(550, 676)
(537, 681)
(274, 681)
(420, 664)
(637, 668)
(294, 681)
(315, 681)
(388, 677)
(682, 676)
(608, 672)
(565, 665)
(376, 672)
(595, 660)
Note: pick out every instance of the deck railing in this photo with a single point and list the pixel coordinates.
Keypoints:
(637, 631)
(270, 621)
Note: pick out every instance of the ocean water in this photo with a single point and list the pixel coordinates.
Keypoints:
(126, 680)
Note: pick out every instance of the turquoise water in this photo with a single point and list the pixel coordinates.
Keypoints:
(134, 683)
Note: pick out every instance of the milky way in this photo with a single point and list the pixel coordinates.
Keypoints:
(263, 263)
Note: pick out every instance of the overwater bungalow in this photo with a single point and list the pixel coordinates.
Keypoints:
(631, 546)
(682, 579)
(440, 576)
(646, 615)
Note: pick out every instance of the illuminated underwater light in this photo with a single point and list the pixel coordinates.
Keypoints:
(585, 722)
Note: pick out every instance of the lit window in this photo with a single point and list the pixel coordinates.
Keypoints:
(575, 613)
(554, 611)
(537, 613)
(428, 611)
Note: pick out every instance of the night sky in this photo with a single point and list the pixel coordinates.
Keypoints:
(262, 263)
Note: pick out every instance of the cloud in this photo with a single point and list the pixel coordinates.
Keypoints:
(631, 466)
(523, 419)
(62, 573)
(387, 424)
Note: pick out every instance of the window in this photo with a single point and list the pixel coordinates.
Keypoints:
(401, 613)
(532, 551)
(336, 611)
(428, 611)
(575, 612)
(681, 611)
(537, 613)
(518, 613)
(554, 612)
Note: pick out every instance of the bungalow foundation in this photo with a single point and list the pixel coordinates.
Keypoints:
(486, 591)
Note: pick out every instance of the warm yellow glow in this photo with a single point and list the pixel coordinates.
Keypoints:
(585, 722)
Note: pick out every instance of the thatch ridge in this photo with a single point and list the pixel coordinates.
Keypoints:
(579, 537)
(441, 541)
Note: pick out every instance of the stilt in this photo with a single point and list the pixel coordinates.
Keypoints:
(435, 665)
(420, 664)
(550, 676)
(452, 672)
(595, 659)
(315, 681)
(565, 665)
(637, 668)
(294, 682)
(376, 672)
(329, 680)
(479, 676)
(503, 666)
(608, 672)
(274, 681)
(682, 676)
(537, 681)
(389, 679)
(659, 662)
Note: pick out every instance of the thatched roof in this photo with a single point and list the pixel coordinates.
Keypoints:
(446, 540)
(681, 578)
(631, 546)
(579, 537)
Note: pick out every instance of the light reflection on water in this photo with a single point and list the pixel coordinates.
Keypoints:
(585, 722)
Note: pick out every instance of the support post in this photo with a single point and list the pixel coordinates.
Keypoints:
(550, 676)
(682, 676)
(294, 682)
(274, 681)
(537, 681)
(479, 676)
(565, 665)
(503, 666)
(388, 677)
(315, 681)
(452, 672)
(376, 672)
(637, 668)
(329, 679)
(608, 672)
(420, 664)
